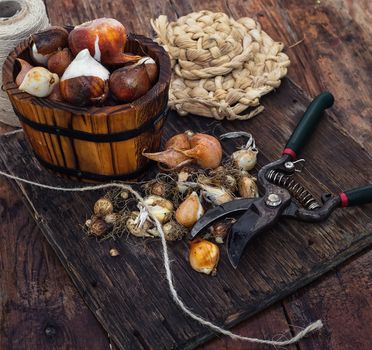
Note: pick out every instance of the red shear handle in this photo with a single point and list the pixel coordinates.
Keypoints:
(357, 196)
(307, 124)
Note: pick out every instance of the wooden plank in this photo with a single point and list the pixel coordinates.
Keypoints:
(344, 296)
(39, 306)
(275, 264)
(341, 13)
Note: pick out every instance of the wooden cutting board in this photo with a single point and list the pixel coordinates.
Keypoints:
(128, 294)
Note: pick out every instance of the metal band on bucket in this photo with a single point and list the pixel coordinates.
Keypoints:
(98, 138)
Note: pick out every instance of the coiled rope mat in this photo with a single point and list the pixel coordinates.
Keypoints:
(221, 67)
(18, 20)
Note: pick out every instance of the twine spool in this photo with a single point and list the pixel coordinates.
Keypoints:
(18, 20)
(221, 67)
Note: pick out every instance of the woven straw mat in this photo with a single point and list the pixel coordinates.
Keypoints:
(221, 67)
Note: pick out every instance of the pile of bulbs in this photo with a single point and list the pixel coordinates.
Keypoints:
(195, 180)
(87, 66)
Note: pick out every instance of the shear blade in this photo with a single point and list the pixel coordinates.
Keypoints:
(219, 212)
(241, 233)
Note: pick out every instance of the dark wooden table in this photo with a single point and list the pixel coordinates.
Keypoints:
(39, 306)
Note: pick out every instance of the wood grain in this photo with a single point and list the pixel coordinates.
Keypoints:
(40, 308)
(275, 264)
(345, 16)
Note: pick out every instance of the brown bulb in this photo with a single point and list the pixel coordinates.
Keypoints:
(105, 39)
(129, 83)
(25, 68)
(56, 94)
(204, 256)
(59, 61)
(50, 40)
(84, 91)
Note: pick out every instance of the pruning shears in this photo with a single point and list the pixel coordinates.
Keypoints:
(281, 195)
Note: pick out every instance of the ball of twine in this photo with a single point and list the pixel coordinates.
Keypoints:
(18, 20)
(221, 67)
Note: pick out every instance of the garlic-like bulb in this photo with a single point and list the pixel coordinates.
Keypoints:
(124, 194)
(25, 68)
(189, 211)
(38, 57)
(103, 207)
(216, 195)
(111, 218)
(248, 187)
(136, 227)
(245, 159)
(84, 81)
(85, 65)
(159, 207)
(39, 82)
(206, 150)
(204, 256)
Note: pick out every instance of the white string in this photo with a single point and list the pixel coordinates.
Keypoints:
(169, 275)
(12, 132)
(18, 20)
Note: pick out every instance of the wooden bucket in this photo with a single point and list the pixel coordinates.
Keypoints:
(93, 143)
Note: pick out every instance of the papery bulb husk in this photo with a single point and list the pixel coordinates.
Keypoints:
(158, 189)
(182, 176)
(25, 68)
(39, 82)
(59, 61)
(105, 38)
(216, 195)
(159, 207)
(173, 231)
(206, 150)
(245, 159)
(112, 218)
(204, 256)
(50, 40)
(129, 83)
(98, 227)
(189, 211)
(170, 157)
(37, 57)
(103, 207)
(178, 141)
(248, 187)
(84, 91)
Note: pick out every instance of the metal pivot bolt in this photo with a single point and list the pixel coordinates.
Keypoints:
(273, 200)
(289, 165)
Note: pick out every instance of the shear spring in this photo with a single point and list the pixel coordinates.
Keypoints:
(298, 191)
